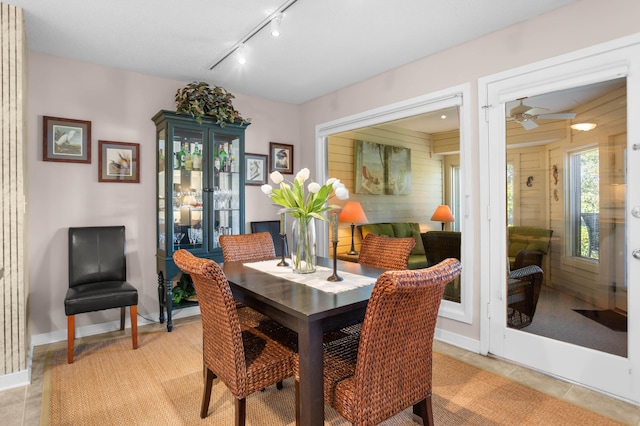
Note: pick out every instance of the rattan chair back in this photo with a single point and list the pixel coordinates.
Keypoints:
(247, 247)
(386, 252)
(243, 358)
(388, 369)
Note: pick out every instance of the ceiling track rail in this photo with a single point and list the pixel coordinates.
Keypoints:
(253, 32)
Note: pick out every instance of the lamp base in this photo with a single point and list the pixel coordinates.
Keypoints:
(352, 252)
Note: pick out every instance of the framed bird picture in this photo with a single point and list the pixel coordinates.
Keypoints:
(66, 140)
(118, 162)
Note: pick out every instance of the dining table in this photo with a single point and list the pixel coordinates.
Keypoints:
(311, 311)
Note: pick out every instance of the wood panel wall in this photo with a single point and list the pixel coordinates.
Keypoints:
(426, 179)
(538, 204)
(14, 343)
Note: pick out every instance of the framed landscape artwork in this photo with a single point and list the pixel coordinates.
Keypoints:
(382, 169)
(66, 140)
(119, 162)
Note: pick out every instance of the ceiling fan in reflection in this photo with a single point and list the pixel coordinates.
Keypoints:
(526, 116)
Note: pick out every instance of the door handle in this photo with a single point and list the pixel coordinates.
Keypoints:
(636, 253)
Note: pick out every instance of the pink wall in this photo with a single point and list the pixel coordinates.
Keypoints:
(119, 105)
(576, 26)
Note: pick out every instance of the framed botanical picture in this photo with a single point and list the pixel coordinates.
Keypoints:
(255, 169)
(119, 162)
(280, 158)
(66, 140)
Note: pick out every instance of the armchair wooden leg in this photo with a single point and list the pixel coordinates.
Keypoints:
(427, 411)
(297, 392)
(122, 318)
(241, 411)
(133, 311)
(206, 396)
(71, 335)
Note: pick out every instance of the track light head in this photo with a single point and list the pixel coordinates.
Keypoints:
(242, 59)
(275, 25)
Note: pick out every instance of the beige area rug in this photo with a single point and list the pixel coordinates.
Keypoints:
(161, 383)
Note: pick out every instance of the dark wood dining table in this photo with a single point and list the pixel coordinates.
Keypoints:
(309, 312)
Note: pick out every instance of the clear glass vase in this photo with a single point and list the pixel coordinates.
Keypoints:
(303, 245)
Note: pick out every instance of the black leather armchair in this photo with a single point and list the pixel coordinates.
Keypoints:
(272, 227)
(98, 278)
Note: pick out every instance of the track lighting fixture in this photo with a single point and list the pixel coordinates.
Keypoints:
(242, 59)
(272, 20)
(275, 25)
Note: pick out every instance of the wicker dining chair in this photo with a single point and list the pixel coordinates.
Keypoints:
(244, 359)
(374, 376)
(386, 252)
(247, 247)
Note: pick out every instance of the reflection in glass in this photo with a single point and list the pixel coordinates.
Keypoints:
(565, 216)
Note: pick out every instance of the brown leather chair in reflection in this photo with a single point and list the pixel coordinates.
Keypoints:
(244, 359)
(386, 252)
(374, 376)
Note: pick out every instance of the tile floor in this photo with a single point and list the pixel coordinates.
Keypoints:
(21, 406)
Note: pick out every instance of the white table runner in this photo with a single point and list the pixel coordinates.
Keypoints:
(317, 280)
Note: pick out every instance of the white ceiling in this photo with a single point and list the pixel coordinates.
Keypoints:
(325, 45)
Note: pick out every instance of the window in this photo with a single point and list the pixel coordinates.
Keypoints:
(584, 199)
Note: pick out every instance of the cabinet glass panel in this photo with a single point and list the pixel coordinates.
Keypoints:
(226, 186)
(162, 212)
(188, 178)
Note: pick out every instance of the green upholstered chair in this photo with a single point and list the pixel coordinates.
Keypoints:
(527, 245)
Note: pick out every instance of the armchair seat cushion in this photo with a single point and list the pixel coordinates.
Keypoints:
(99, 296)
(532, 240)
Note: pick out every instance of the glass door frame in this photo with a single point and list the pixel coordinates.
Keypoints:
(602, 371)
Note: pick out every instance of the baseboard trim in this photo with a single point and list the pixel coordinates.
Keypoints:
(471, 345)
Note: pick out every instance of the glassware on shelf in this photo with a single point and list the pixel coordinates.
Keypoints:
(177, 237)
(188, 159)
(222, 155)
(197, 158)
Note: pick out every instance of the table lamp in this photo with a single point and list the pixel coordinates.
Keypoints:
(352, 213)
(443, 214)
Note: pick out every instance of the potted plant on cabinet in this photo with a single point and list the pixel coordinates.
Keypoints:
(199, 99)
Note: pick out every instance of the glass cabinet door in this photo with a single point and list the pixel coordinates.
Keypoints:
(225, 186)
(162, 206)
(188, 178)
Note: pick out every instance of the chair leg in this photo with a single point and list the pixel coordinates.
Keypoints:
(206, 396)
(133, 311)
(241, 411)
(297, 392)
(122, 319)
(71, 335)
(426, 409)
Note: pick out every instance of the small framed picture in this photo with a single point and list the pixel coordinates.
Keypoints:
(255, 169)
(119, 162)
(280, 158)
(66, 140)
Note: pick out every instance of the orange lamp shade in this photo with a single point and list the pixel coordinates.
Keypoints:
(352, 213)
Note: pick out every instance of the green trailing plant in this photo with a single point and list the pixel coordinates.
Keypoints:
(183, 289)
(202, 100)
